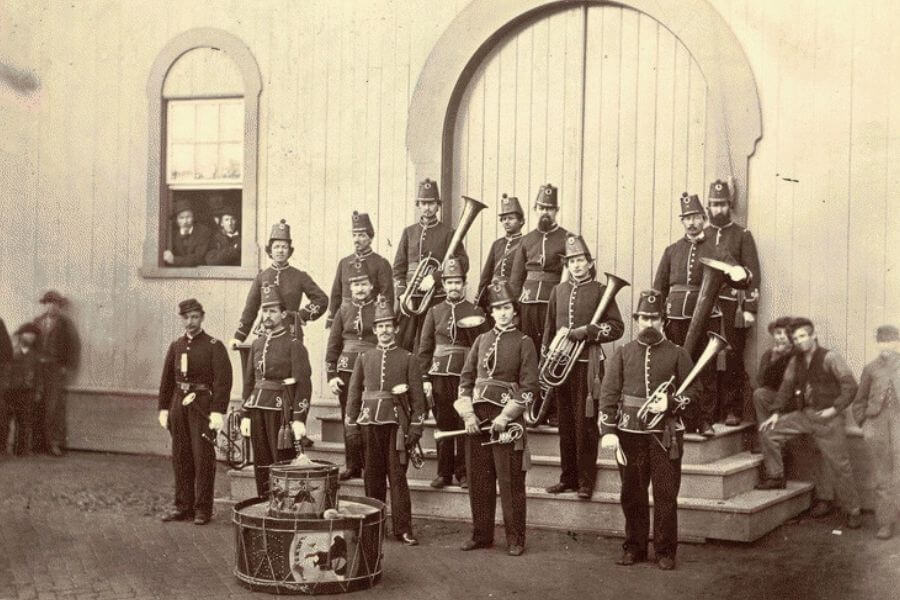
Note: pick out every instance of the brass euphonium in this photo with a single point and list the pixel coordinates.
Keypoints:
(713, 277)
(429, 265)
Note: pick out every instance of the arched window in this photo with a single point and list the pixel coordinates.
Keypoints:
(203, 96)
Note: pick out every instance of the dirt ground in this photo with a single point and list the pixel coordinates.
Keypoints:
(86, 527)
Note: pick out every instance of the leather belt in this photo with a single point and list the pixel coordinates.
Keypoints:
(680, 287)
(449, 349)
(191, 387)
(376, 395)
(542, 276)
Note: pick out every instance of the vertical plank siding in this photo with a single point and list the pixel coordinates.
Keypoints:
(600, 100)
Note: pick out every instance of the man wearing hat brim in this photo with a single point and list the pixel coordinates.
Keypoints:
(498, 265)
(22, 389)
(363, 261)
(189, 240)
(277, 391)
(571, 307)
(645, 451)
(442, 352)
(225, 246)
(193, 396)
(427, 237)
(351, 335)
(876, 409)
(387, 403)
(498, 381)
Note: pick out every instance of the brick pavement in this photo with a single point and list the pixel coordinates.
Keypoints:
(86, 527)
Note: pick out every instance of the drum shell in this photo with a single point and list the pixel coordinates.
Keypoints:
(304, 492)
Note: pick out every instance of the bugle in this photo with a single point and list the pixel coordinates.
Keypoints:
(513, 432)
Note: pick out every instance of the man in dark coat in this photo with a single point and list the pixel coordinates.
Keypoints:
(23, 393)
(225, 246)
(6, 353)
(190, 240)
(498, 264)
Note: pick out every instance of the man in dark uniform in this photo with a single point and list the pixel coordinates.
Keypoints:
(351, 334)
(499, 379)
(427, 237)
(645, 451)
(189, 241)
(386, 401)
(60, 351)
(193, 396)
(225, 246)
(738, 303)
(277, 390)
(442, 353)
(293, 284)
(572, 305)
(363, 260)
(498, 265)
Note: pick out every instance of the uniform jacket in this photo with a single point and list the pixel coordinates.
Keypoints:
(443, 346)
(880, 381)
(25, 371)
(572, 304)
(58, 343)
(636, 370)
(376, 372)
(501, 367)
(679, 275)
(224, 250)
(293, 284)
(190, 250)
(771, 369)
(419, 240)
(274, 358)
(739, 243)
(827, 381)
(351, 329)
(374, 265)
(540, 254)
(207, 365)
(498, 266)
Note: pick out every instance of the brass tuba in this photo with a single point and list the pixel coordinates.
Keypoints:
(713, 277)
(429, 265)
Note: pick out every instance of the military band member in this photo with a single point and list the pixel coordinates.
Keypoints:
(738, 303)
(498, 266)
(190, 240)
(293, 285)
(647, 452)
(225, 247)
(363, 259)
(193, 396)
(498, 381)
(277, 390)
(351, 334)
(387, 403)
(442, 353)
(427, 237)
(572, 304)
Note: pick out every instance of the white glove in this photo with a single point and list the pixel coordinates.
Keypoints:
(299, 429)
(216, 421)
(471, 422)
(335, 384)
(737, 273)
(769, 423)
(428, 388)
(168, 257)
(164, 419)
(234, 343)
(609, 441)
(245, 427)
(427, 283)
(749, 317)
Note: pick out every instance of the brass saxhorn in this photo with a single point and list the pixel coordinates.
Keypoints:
(713, 277)
(429, 265)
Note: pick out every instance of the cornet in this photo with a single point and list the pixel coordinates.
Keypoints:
(514, 431)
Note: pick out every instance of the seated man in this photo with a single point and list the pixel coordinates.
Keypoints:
(225, 246)
(772, 365)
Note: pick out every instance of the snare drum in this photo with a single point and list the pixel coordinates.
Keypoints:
(303, 491)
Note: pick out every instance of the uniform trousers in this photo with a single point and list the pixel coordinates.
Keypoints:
(731, 380)
(451, 451)
(264, 427)
(410, 326)
(648, 461)
(353, 451)
(50, 415)
(704, 410)
(382, 467)
(882, 434)
(531, 319)
(19, 407)
(579, 433)
(830, 439)
(193, 458)
(490, 467)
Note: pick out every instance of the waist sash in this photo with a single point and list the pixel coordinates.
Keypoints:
(268, 384)
(358, 346)
(542, 276)
(680, 287)
(494, 391)
(449, 349)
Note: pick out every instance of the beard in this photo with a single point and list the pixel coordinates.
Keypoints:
(545, 223)
(650, 336)
(721, 219)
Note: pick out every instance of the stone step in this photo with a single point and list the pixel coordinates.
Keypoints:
(544, 441)
(724, 478)
(743, 518)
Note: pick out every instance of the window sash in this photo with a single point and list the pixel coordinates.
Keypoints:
(205, 143)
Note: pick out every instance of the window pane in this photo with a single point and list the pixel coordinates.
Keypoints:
(207, 159)
(181, 163)
(231, 161)
(207, 122)
(180, 126)
(231, 121)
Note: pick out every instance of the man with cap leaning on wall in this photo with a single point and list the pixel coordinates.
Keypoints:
(498, 381)
(189, 240)
(293, 284)
(193, 397)
(876, 408)
(428, 237)
(572, 304)
(277, 390)
(225, 246)
(387, 403)
(351, 334)
(363, 260)
(648, 444)
(447, 334)
(60, 351)
(498, 265)
(739, 303)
